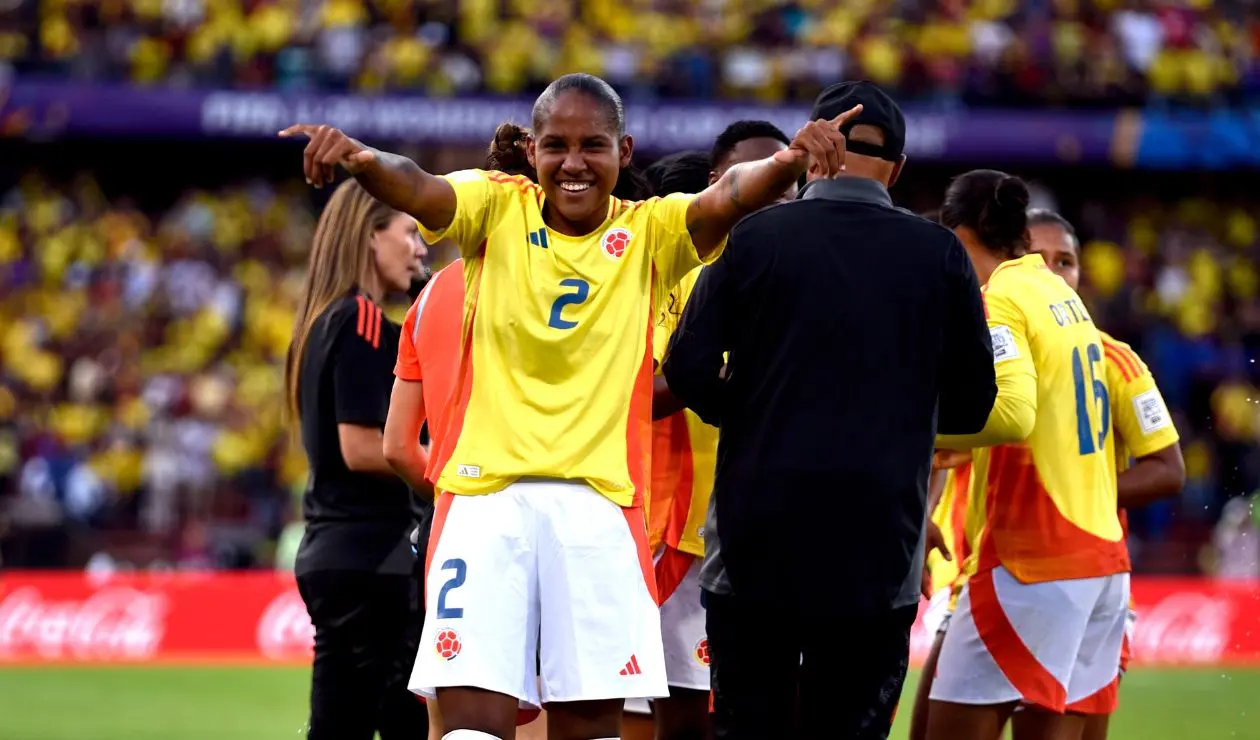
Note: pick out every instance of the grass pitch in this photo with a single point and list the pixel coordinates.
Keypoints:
(266, 703)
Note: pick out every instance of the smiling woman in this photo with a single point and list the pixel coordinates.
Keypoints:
(539, 539)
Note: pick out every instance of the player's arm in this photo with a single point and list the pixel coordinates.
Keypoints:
(1015, 408)
(1144, 425)
(749, 186)
(693, 363)
(1156, 476)
(390, 178)
(967, 377)
(401, 439)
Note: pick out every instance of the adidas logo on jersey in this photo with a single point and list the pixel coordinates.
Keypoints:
(468, 471)
(632, 667)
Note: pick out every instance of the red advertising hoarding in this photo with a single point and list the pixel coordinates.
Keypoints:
(260, 618)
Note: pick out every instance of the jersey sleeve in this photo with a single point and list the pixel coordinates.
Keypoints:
(481, 199)
(1138, 411)
(673, 252)
(1015, 408)
(408, 366)
(361, 369)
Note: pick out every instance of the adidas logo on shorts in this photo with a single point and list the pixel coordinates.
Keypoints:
(632, 667)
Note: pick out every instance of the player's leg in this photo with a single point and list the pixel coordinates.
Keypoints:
(684, 714)
(601, 631)
(755, 651)
(436, 728)
(1008, 643)
(477, 651)
(859, 701)
(637, 722)
(919, 713)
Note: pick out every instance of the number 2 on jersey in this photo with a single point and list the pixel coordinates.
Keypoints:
(580, 289)
(1089, 441)
(454, 582)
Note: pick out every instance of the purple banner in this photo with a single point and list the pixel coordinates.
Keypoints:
(39, 109)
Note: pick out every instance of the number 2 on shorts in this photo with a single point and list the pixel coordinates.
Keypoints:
(452, 583)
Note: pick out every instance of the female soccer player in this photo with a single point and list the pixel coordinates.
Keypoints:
(538, 526)
(1148, 455)
(1040, 620)
(354, 566)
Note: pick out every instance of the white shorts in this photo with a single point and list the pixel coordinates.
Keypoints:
(936, 616)
(1126, 653)
(542, 573)
(682, 624)
(1055, 645)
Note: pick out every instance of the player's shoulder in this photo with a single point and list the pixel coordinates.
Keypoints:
(494, 177)
(1122, 357)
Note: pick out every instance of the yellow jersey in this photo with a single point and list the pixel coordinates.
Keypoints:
(1045, 508)
(950, 516)
(684, 453)
(555, 373)
(1143, 424)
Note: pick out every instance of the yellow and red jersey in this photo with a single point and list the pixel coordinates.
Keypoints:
(684, 453)
(1045, 508)
(555, 373)
(1138, 412)
(428, 352)
(950, 516)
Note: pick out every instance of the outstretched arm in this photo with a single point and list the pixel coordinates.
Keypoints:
(390, 178)
(748, 187)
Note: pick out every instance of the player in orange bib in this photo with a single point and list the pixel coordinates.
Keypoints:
(539, 545)
(1040, 620)
(1148, 456)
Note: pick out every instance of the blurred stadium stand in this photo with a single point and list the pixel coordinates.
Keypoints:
(152, 240)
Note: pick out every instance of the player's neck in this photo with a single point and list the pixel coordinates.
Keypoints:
(370, 286)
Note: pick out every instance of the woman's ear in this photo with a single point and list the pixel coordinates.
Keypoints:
(627, 150)
(529, 151)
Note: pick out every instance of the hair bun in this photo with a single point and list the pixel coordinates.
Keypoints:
(507, 151)
(1004, 219)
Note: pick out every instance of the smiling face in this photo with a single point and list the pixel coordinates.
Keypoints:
(1060, 251)
(578, 154)
(397, 249)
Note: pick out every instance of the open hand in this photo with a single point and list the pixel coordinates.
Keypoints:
(329, 147)
(822, 141)
(933, 540)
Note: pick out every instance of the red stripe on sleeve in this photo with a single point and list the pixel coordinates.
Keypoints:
(362, 325)
(1125, 358)
(1126, 369)
(376, 326)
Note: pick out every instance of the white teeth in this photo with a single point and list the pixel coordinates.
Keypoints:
(574, 187)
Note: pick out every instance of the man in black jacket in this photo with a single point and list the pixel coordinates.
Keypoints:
(855, 332)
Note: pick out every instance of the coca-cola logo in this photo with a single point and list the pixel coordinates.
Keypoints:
(285, 630)
(113, 623)
(1184, 627)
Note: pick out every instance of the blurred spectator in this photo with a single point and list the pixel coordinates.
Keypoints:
(1085, 52)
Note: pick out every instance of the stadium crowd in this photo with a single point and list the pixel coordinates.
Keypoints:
(141, 358)
(944, 51)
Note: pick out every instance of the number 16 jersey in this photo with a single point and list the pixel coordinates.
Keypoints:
(1045, 509)
(555, 374)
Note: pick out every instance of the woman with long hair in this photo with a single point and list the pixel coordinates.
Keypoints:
(1039, 621)
(538, 548)
(355, 568)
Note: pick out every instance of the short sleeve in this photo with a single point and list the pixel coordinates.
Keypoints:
(1138, 411)
(673, 252)
(408, 366)
(481, 199)
(361, 370)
